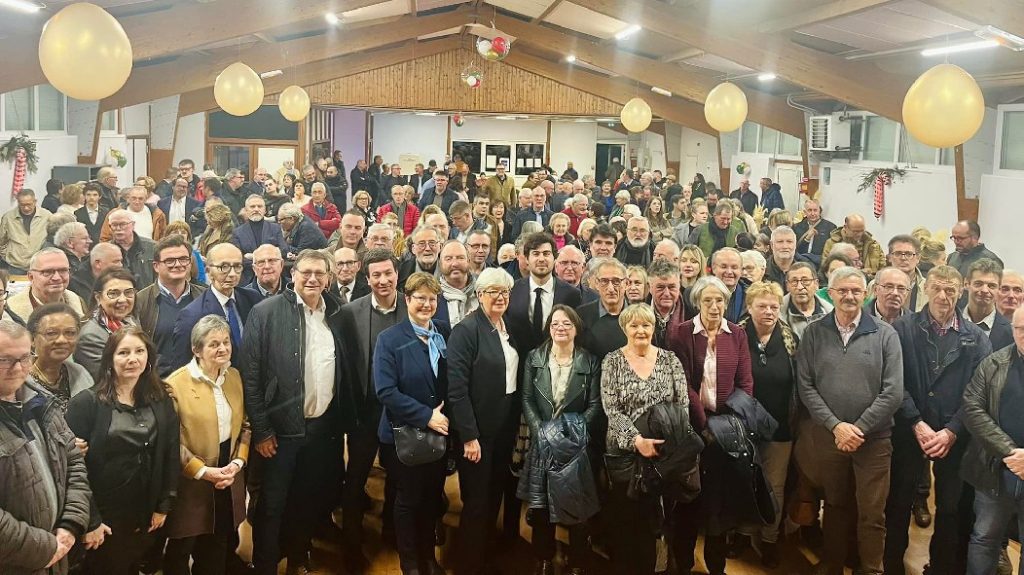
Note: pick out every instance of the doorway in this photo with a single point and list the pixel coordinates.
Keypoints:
(788, 177)
(605, 154)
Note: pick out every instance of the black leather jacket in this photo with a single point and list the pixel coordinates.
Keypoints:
(582, 395)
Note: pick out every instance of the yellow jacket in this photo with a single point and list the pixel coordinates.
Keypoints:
(16, 245)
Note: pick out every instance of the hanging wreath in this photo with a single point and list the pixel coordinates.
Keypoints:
(20, 151)
(878, 179)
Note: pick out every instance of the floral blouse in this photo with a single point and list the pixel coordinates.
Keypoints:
(626, 396)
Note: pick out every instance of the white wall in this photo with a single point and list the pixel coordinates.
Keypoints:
(652, 152)
(397, 134)
(704, 148)
(136, 120)
(1000, 215)
(190, 140)
(52, 151)
(574, 142)
(489, 129)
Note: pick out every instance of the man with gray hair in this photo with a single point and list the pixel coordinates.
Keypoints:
(720, 232)
(667, 250)
(745, 195)
(636, 249)
(22, 232)
(850, 378)
(783, 255)
(49, 275)
(300, 233)
(569, 267)
(268, 267)
(138, 251)
(102, 256)
(44, 489)
(73, 239)
(233, 193)
(426, 245)
(457, 297)
(537, 211)
(848, 250)
(380, 236)
(602, 333)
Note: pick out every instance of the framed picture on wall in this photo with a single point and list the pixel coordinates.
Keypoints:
(495, 155)
(319, 150)
(470, 152)
(529, 157)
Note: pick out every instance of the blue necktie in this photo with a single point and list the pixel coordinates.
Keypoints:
(234, 324)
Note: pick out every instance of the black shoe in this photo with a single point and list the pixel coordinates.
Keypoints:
(769, 554)
(812, 536)
(544, 567)
(432, 567)
(922, 516)
(738, 544)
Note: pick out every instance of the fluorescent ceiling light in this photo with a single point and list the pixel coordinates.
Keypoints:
(965, 47)
(506, 118)
(571, 58)
(766, 77)
(23, 5)
(426, 113)
(661, 91)
(271, 74)
(628, 31)
(1011, 41)
(607, 120)
(332, 18)
(584, 120)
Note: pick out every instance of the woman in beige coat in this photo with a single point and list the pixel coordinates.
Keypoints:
(207, 394)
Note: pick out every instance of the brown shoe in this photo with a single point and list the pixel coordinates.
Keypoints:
(922, 516)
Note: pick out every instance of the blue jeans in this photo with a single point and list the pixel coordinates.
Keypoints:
(992, 517)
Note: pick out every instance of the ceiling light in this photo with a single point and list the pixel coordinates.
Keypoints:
(506, 118)
(766, 77)
(571, 58)
(1011, 41)
(607, 120)
(23, 5)
(628, 31)
(965, 47)
(332, 18)
(426, 113)
(271, 74)
(661, 91)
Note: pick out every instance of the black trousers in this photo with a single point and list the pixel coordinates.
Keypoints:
(632, 531)
(209, 551)
(482, 486)
(418, 493)
(363, 446)
(292, 484)
(954, 503)
(121, 552)
(687, 519)
(543, 538)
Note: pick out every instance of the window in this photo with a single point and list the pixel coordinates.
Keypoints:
(748, 137)
(946, 156)
(1011, 155)
(108, 123)
(880, 139)
(18, 110)
(769, 140)
(789, 145)
(914, 152)
(51, 108)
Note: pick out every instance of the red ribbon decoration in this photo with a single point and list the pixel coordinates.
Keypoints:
(881, 182)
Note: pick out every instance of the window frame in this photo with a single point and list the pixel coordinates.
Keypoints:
(997, 168)
(34, 129)
(776, 153)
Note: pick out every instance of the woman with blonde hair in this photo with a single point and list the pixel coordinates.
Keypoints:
(71, 198)
(933, 253)
(693, 264)
(218, 227)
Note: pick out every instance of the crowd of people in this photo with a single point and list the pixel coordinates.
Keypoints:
(636, 360)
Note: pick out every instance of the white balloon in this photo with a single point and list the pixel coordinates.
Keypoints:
(294, 103)
(238, 90)
(84, 52)
(636, 115)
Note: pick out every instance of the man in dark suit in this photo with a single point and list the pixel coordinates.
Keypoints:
(300, 233)
(362, 321)
(569, 267)
(394, 178)
(349, 284)
(362, 181)
(268, 271)
(256, 232)
(224, 298)
(539, 213)
(533, 297)
(93, 213)
(178, 205)
(418, 179)
(983, 278)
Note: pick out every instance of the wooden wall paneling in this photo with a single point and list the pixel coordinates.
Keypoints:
(966, 208)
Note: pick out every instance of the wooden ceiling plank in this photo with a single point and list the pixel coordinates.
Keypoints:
(821, 13)
(765, 109)
(184, 27)
(195, 72)
(683, 55)
(860, 84)
(1004, 14)
(547, 11)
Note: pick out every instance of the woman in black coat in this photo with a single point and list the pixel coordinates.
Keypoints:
(411, 380)
(483, 404)
(559, 377)
(133, 459)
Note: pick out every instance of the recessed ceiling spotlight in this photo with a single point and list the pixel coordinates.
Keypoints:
(332, 18)
(628, 31)
(571, 58)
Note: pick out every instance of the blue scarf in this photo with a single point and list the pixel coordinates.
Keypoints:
(435, 341)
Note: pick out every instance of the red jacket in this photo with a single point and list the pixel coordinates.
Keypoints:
(331, 220)
(412, 215)
(574, 220)
(733, 364)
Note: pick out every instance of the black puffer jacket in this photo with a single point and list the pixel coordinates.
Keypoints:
(273, 366)
(558, 475)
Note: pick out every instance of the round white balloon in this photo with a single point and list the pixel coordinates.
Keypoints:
(84, 52)
(636, 115)
(238, 90)
(294, 103)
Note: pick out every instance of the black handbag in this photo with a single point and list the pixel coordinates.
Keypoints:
(416, 446)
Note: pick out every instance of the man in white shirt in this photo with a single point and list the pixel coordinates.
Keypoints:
(350, 285)
(149, 222)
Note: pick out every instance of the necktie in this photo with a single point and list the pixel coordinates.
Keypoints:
(234, 324)
(538, 313)
(344, 294)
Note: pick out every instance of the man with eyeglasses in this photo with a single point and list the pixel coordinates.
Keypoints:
(569, 267)
(426, 245)
(1011, 293)
(349, 284)
(726, 265)
(458, 290)
(225, 298)
(966, 236)
(49, 275)
(291, 364)
(255, 232)
(158, 304)
(479, 245)
(22, 232)
(636, 248)
(380, 236)
(361, 322)
(138, 251)
(889, 291)
(982, 283)
(601, 331)
(850, 378)
(905, 255)
(802, 305)
(299, 232)
(533, 297)
(440, 195)
(461, 216)
(941, 352)
(268, 267)
(187, 170)
(44, 490)
(106, 177)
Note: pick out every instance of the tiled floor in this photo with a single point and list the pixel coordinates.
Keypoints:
(516, 558)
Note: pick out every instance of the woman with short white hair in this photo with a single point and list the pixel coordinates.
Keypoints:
(754, 265)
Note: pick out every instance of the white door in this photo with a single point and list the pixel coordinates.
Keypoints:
(273, 158)
(688, 169)
(788, 178)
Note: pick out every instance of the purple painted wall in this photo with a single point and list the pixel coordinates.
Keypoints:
(350, 136)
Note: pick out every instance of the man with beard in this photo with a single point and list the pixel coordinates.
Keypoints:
(698, 217)
(457, 297)
(479, 245)
(983, 277)
(783, 255)
(349, 284)
(719, 233)
(569, 267)
(802, 305)
(532, 297)
(426, 242)
(636, 248)
(602, 242)
(255, 232)
(337, 187)
(890, 289)
(966, 236)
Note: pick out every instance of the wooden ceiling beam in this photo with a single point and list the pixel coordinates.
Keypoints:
(202, 100)
(682, 112)
(547, 11)
(860, 84)
(764, 109)
(1004, 14)
(684, 54)
(186, 26)
(195, 72)
(821, 13)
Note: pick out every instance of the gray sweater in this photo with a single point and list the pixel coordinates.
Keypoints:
(859, 383)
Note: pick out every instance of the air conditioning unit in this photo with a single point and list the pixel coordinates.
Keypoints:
(828, 133)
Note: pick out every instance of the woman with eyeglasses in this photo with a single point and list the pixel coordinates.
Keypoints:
(772, 345)
(410, 374)
(54, 329)
(559, 377)
(483, 404)
(114, 292)
(716, 358)
(133, 457)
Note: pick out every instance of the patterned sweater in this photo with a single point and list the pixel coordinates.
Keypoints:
(626, 396)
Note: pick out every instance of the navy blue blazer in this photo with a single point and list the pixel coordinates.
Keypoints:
(519, 316)
(245, 238)
(404, 380)
(191, 204)
(528, 215)
(207, 304)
